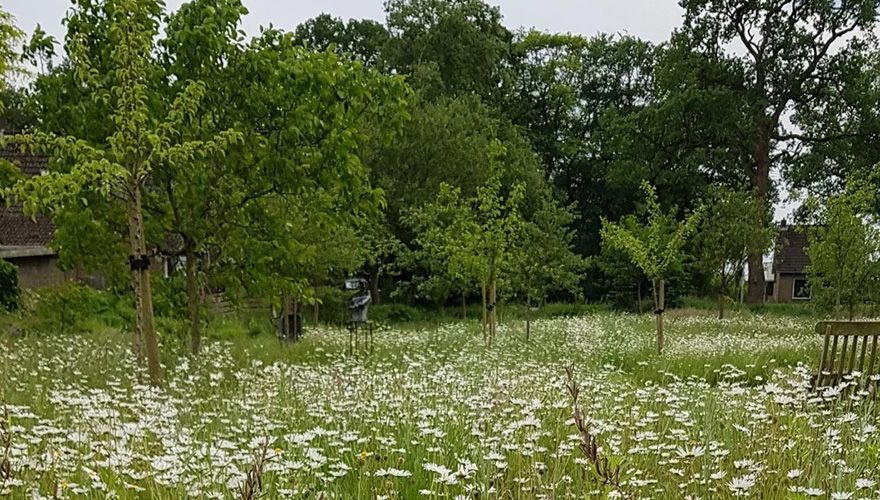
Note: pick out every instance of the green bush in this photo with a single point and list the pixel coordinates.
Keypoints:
(72, 306)
(10, 292)
(169, 296)
(396, 313)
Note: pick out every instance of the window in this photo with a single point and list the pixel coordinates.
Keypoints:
(801, 289)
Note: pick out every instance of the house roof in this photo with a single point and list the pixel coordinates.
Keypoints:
(18, 229)
(791, 255)
(29, 164)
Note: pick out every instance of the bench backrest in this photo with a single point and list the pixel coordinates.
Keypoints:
(848, 346)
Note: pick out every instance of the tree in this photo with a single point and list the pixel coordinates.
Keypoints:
(473, 237)
(566, 92)
(10, 36)
(448, 48)
(727, 235)
(361, 39)
(656, 248)
(542, 258)
(843, 249)
(119, 167)
(793, 53)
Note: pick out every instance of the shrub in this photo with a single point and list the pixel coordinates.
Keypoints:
(396, 313)
(67, 307)
(10, 292)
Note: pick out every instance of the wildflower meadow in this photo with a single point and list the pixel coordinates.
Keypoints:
(584, 409)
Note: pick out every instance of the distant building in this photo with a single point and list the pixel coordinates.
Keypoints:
(789, 268)
(25, 241)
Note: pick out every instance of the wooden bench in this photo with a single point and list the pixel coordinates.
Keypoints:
(848, 347)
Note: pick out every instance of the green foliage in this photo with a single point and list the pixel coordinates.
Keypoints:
(448, 48)
(361, 39)
(467, 239)
(543, 261)
(10, 36)
(731, 231)
(76, 308)
(40, 49)
(10, 292)
(9, 174)
(843, 248)
(657, 246)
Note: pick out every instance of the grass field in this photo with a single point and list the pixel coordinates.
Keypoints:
(433, 413)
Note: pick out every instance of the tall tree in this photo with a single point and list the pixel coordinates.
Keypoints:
(656, 247)
(448, 47)
(361, 39)
(787, 55)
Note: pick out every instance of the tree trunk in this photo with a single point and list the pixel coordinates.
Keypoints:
(145, 330)
(760, 183)
(284, 324)
(374, 284)
(528, 315)
(493, 310)
(194, 301)
(659, 292)
(485, 320)
(316, 308)
(721, 301)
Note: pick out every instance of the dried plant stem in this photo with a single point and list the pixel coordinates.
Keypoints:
(606, 472)
(5, 441)
(252, 488)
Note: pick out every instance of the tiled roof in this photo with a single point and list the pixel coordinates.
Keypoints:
(30, 164)
(791, 257)
(16, 228)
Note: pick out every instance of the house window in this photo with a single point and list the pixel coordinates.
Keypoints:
(801, 289)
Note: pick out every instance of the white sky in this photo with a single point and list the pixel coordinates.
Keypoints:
(651, 20)
(648, 19)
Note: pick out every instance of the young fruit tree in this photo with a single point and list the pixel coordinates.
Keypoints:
(728, 234)
(473, 238)
(655, 247)
(843, 246)
(543, 260)
(119, 168)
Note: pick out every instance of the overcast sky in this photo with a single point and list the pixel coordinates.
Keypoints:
(648, 19)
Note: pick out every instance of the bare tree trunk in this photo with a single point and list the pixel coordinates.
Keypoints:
(145, 329)
(659, 291)
(316, 308)
(285, 317)
(493, 310)
(374, 284)
(760, 181)
(528, 315)
(194, 301)
(721, 301)
(485, 320)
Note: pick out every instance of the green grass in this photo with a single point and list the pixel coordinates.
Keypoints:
(723, 407)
